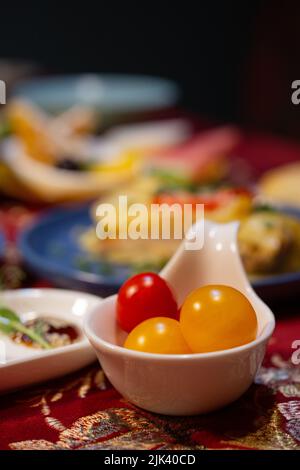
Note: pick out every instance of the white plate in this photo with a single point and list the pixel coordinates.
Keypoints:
(21, 365)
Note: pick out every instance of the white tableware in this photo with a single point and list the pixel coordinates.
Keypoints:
(150, 134)
(193, 383)
(21, 365)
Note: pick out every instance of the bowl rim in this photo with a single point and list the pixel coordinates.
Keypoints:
(100, 344)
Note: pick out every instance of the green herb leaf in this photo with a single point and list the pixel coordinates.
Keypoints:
(5, 130)
(171, 180)
(11, 323)
(137, 268)
(7, 317)
(264, 208)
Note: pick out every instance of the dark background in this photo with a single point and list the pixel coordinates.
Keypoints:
(235, 61)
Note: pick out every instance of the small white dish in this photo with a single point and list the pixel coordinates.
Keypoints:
(192, 383)
(21, 365)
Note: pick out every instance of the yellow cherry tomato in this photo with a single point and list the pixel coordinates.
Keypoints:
(160, 335)
(217, 317)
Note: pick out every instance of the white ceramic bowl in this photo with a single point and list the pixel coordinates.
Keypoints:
(193, 383)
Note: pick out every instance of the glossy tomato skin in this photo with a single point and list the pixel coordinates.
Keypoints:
(160, 335)
(144, 296)
(217, 317)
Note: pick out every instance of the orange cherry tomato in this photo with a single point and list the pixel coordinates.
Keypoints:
(160, 335)
(217, 317)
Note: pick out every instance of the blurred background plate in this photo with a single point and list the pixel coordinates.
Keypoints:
(2, 244)
(111, 95)
(50, 248)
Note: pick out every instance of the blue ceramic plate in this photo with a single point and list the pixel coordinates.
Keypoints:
(50, 248)
(2, 244)
(111, 94)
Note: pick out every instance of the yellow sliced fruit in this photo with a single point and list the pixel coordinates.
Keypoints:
(30, 124)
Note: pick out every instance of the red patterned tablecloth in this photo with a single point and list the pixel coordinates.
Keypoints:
(83, 411)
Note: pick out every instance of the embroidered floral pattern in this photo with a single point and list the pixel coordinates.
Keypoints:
(266, 417)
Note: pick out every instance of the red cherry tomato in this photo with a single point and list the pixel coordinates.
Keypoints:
(144, 296)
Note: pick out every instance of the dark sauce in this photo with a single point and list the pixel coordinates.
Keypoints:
(56, 332)
(68, 164)
(70, 331)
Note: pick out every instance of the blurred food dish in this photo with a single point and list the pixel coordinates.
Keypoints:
(62, 247)
(221, 205)
(282, 185)
(62, 158)
(51, 184)
(114, 96)
(52, 159)
(269, 240)
(51, 248)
